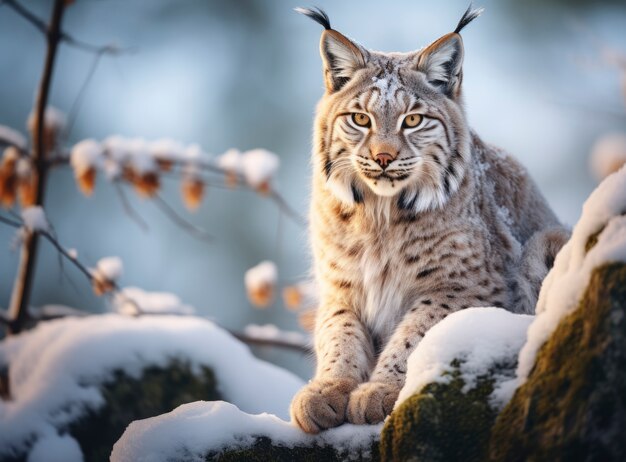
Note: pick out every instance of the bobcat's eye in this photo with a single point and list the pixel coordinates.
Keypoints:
(411, 121)
(362, 120)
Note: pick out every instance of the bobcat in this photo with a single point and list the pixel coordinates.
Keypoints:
(412, 217)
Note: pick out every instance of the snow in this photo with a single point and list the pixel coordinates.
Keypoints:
(140, 158)
(260, 281)
(109, 269)
(259, 166)
(55, 369)
(13, 137)
(54, 118)
(568, 279)
(265, 273)
(10, 154)
(193, 430)
(54, 311)
(166, 149)
(479, 337)
(231, 161)
(126, 301)
(272, 332)
(34, 219)
(56, 448)
(85, 156)
(608, 154)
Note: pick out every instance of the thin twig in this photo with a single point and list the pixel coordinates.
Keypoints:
(130, 211)
(63, 36)
(286, 208)
(73, 112)
(251, 340)
(179, 220)
(220, 173)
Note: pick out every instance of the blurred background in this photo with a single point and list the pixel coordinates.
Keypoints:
(247, 74)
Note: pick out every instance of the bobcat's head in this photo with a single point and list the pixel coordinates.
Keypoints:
(392, 124)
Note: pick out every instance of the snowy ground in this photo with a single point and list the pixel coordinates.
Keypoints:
(55, 370)
(194, 430)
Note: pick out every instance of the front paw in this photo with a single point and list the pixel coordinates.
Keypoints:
(371, 402)
(321, 404)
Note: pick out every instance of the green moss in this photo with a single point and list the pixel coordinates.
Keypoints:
(156, 391)
(573, 405)
(443, 422)
(264, 451)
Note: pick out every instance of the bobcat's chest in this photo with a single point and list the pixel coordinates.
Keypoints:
(386, 288)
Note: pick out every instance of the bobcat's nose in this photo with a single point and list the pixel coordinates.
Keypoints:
(384, 159)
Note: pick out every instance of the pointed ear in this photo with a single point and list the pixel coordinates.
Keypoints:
(342, 58)
(442, 62)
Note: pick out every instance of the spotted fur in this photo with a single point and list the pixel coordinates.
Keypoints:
(450, 223)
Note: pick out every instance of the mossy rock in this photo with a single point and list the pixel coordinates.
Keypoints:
(156, 391)
(573, 405)
(444, 422)
(263, 450)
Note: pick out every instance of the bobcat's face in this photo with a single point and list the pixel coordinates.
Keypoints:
(391, 124)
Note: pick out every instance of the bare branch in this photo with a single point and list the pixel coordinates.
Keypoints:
(169, 211)
(20, 297)
(73, 113)
(65, 37)
(251, 340)
(130, 211)
(286, 208)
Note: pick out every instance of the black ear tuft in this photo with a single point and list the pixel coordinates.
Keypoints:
(316, 14)
(469, 15)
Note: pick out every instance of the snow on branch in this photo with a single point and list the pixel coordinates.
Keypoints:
(142, 164)
(106, 274)
(129, 298)
(11, 137)
(34, 219)
(260, 283)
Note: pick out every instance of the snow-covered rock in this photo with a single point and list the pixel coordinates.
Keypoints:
(478, 339)
(571, 400)
(202, 430)
(55, 370)
(563, 287)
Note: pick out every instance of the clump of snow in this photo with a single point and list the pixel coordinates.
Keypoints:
(261, 274)
(272, 332)
(12, 137)
(140, 158)
(231, 161)
(260, 281)
(56, 448)
(480, 338)
(167, 149)
(34, 219)
(54, 311)
(569, 277)
(108, 269)
(608, 155)
(192, 431)
(129, 299)
(258, 166)
(73, 253)
(85, 156)
(55, 369)
(194, 157)
(53, 119)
